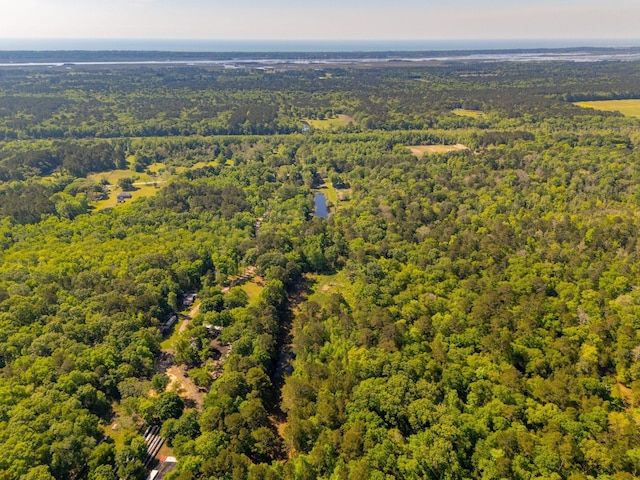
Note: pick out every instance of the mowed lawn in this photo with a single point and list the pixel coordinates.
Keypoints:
(140, 192)
(253, 289)
(630, 108)
(113, 176)
(420, 150)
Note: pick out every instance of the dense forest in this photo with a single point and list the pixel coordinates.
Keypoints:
(469, 309)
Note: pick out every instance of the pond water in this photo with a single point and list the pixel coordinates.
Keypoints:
(321, 205)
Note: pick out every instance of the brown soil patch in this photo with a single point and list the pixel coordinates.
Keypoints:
(183, 385)
(346, 119)
(194, 311)
(329, 286)
(625, 393)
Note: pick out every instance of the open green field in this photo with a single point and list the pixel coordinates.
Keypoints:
(329, 123)
(461, 112)
(205, 164)
(169, 342)
(630, 108)
(253, 289)
(330, 193)
(325, 285)
(162, 170)
(157, 167)
(122, 425)
(335, 198)
(113, 176)
(141, 192)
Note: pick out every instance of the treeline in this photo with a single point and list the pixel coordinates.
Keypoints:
(176, 102)
(70, 158)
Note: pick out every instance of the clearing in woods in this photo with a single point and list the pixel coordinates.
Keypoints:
(339, 121)
(419, 150)
(111, 177)
(140, 192)
(630, 108)
(462, 112)
(180, 381)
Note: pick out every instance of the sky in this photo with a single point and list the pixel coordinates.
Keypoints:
(320, 19)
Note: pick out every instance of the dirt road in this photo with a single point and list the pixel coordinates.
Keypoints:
(180, 380)
(194, 311)
(186, 387)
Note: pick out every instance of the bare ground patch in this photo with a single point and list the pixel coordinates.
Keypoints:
(419, 150)
(184, 386)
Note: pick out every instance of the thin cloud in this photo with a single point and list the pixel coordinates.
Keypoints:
(315, 19)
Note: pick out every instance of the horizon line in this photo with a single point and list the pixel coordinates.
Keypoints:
(247, 45)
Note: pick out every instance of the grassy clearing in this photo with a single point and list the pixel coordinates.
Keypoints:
(329, 123)
(110, 201)
(253, 289)
(141, 192)
(183, 316)
(145, 191)
(120, 426)
(170, 342)
(113, 176)
(420, 150)
(461, 112)
(204, 164)
(325, 285)
(335, 198)
(630, 108)
(330, 193)
(157, 167)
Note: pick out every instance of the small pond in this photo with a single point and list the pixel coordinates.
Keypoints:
(321, 205)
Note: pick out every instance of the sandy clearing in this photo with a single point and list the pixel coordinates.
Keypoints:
(419, 150)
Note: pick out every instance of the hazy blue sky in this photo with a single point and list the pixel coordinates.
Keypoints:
(320, 19)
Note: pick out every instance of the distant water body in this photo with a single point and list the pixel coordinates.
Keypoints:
(301, 45)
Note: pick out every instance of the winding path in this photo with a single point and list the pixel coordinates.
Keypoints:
(178, 373)
(194, 311)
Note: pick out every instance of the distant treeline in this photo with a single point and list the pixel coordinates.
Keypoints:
(185, 101)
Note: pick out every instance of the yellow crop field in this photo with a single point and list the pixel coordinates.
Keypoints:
(630, 108)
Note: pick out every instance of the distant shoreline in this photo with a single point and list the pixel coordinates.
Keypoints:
(176, 45)
(269, 60)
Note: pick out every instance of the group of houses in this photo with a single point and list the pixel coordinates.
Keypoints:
(187, 301)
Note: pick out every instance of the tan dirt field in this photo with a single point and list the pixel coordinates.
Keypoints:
(419, 150)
